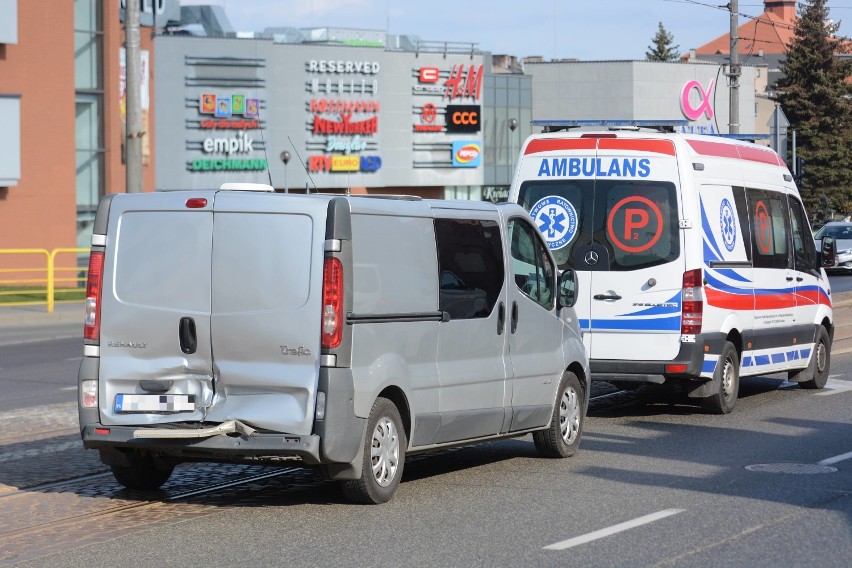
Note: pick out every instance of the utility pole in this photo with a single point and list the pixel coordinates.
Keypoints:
(734, 74)
(133, 120)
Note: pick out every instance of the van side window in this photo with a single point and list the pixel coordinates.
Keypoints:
(742, 216)
(769, 222)
(531, 266)
(638, 223)
(804, 249)
(470, 266)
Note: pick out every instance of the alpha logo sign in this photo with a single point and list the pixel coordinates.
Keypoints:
(467, 154)
(463, 118)
(228, 106)
(697, 102)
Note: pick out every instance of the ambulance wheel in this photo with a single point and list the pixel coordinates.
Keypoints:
(822, 361)
(384, 457)
(142, 474)
(562, 437)
(728, 377)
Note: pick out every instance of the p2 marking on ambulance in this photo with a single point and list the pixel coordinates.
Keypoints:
(695, 259)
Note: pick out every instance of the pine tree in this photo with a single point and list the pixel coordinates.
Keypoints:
(661, 48)
(815, 98)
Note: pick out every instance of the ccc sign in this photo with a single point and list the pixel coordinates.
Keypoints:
(463, 118)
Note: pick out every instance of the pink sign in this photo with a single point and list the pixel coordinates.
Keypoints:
(705, 100)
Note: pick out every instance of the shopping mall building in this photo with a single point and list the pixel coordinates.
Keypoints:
(329, 110)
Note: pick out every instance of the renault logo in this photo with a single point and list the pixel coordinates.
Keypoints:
(591, 258)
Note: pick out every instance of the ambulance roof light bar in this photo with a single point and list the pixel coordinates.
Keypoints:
(620, 124)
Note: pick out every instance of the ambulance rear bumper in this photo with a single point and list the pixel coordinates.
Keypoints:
(691, 355)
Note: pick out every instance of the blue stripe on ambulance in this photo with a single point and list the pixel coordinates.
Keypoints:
(655, 324)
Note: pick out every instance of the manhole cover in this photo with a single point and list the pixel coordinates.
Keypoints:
(795, 468)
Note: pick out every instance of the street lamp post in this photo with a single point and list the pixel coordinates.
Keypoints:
(513, 124)
(285, 157)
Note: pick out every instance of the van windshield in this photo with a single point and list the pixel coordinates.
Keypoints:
(631, 224)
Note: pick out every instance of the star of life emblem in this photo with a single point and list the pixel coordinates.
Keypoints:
(556, 218)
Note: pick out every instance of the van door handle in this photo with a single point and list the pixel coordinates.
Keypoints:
(501, 318)
(789, 279)
(514, 317)
(799, 278)
(607, 297)
(188, 338)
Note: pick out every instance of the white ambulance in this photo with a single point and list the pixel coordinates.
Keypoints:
(695, 258)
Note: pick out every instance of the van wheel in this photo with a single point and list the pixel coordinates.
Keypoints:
(728, 376)
(384, 457)
(822, 361)
(142, 474)
(562, 437)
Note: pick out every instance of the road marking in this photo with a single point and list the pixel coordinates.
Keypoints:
(609, 531)
(835, 459)
(835, 387)
(78, 358)
(68, 388)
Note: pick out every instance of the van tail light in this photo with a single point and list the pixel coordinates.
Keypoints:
(692, 302)
(332, 303)
(94, 284)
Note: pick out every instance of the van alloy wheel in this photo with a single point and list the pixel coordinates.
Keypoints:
(562, 437)
(384, 452)
(569, 415)
(382, 457)
(822, 361)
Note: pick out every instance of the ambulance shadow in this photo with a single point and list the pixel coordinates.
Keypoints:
(711, 458)
(658, 400)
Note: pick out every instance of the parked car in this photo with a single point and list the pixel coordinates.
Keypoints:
(841, 232)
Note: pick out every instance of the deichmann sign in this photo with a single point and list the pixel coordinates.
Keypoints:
(203, 165)
(463, 118)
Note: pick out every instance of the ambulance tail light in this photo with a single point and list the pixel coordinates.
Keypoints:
(332, 303)
(94, 285)
(692, 300)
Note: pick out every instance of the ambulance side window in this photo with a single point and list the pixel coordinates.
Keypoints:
(804, 249)
(769, 222)
(742, 217)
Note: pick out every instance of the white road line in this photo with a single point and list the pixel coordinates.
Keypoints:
(609, 531)
(33, 452)
(68, 388)
(835, 387)
(835, 459)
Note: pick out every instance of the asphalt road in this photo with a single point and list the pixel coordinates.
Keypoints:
(655, 484)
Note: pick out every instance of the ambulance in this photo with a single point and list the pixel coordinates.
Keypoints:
(694, 254)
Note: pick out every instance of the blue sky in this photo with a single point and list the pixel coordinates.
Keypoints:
(584, 29)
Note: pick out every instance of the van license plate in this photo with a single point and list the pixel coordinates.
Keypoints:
(125, 403)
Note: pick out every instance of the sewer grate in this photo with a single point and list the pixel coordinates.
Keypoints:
(794, 468)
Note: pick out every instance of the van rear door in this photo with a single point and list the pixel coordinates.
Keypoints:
(155, 324)
(267, 274)
(608, 207)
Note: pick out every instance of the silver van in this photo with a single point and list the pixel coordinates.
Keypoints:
(344, 332)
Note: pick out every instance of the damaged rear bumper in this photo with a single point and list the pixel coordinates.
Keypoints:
(229, 441)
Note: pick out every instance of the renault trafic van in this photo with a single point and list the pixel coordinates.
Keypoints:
(694, 257)
(342, 332)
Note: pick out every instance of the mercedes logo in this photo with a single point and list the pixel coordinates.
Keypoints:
(591, 258)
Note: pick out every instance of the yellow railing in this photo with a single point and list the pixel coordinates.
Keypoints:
(28, 275)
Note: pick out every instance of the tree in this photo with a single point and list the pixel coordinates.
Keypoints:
(661, 48)
(815, 97)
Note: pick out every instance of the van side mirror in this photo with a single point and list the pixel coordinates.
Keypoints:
(828, 252)
(567, 289)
